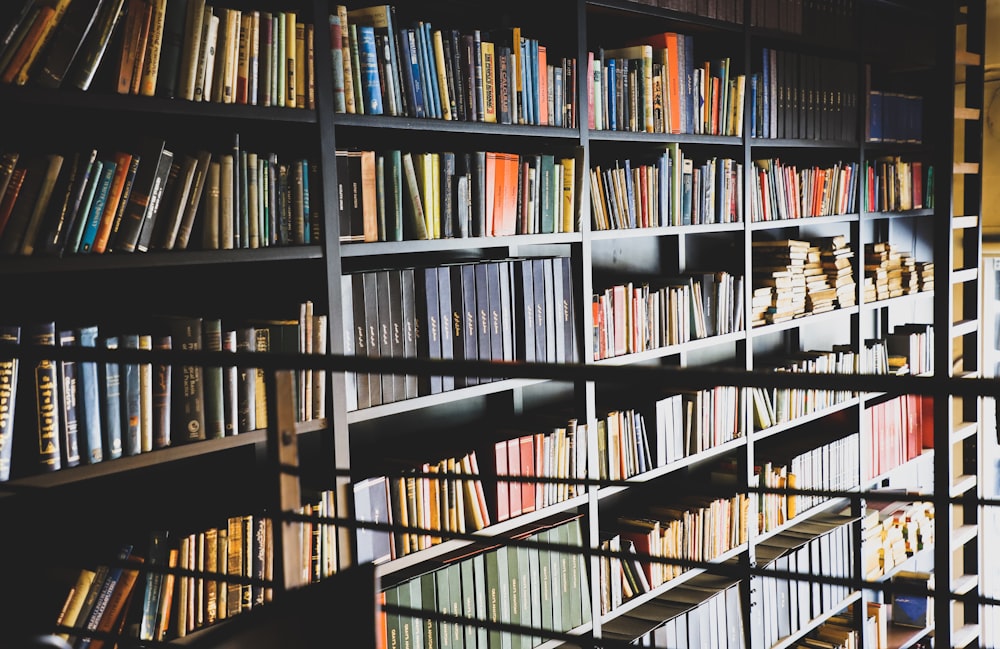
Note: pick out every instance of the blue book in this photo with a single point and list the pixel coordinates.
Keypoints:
(158, 554)
(111, 398)
(368, 55)
(630, 192)
(429, 64)
(131, 442)
(89, 399)
(557, 93)
(84, 211)
(103, 597)
(414, 81)
(533, 71)
(93, 221)
(305, 199)
(67, 400)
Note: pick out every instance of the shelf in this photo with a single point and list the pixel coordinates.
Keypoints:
(821, 508)
(658, 472)
(784, 143)
(967, 58)
(965, 168)
(419, 403)
(964, 222)
(903, 637)
(965, 113)
(963, 430)
(669, 230)
(403, 567)
(379, 248)
(438, 126)
(963, 534)
(816, 622)
(896, 215)
(662, 138)
(679, 580)
(964, 636)
(964, 328)
(670, 350)
(804, 221)
(156, 259)
(961, 485)
(925, 456)
(894, 301)
(758, 435)
(964, 584)
(809, 319)
(963, 275)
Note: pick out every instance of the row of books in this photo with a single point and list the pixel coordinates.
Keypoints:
(673, 190)
(821, 546)
(398, 195)
(809, 18)
(894, 117)
(684, 526)
(559, 455)
(839, 632)
(695, 421)
(59, 414)
(896, 431)
(727, 10)
(892, 272)
(773, 406)
(184, 49)
(636, 317)
(503, 310)
(540, 589)
(138, 595)
(893, 184)
(803, 96)
(907, 349)
(654, 85)
(151, 198)
(829, 467)
(495, 76)
(704, 611)
(434, 498)
(795, 277)
(786, 191)
(892, 532)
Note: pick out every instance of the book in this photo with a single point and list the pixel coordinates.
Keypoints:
(214, 407)
(88, 399)
(154, 165)
(130, 398)
(9, 335)
(43, 397)
(12, 235)
(54, 163)
(162, 390)
(67, 402)
(187, 391)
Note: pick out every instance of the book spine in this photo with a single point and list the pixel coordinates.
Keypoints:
(130, 396)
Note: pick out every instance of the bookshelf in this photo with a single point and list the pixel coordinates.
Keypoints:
(653, 236)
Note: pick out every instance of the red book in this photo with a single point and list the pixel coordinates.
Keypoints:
(10, 196)
(514, 469)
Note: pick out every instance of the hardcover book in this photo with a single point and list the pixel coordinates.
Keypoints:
(67, 402)
(44, 380)
(9, 335)
(188, 381)
(89, 400)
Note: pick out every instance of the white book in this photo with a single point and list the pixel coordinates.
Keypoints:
(206, 59)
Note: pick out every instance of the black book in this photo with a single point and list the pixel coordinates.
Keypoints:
(44, 394)
(360, 338)
(66, 41)
(449, 328)
(556, 308)
(430, 325)
(384, 309)
(463, 194)
(84, 65)
(344, 201)
(567, 311)
(215, 414)
(484, 348)
(548, 286)
(171, 48)
(463, 306)
(13, 233)
(524, 308)
(130, 398)
(110, 394)
(478, 177)
(153, 156)
(453, 50)
(246, 387)
(507, 311)
(495, 311)
(541, 308)
(188, 381)
(447, 189)
(396, 329)
(67, 189)
(467, 69)
(409, 294)
(370, 318)
(162, 391)
(67, 402)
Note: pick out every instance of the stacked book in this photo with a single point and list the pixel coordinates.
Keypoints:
(780, 266)
(891, 272)
(836, 255)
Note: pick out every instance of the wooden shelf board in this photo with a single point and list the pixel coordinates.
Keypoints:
(964, 327)
(901, 637)
(964, 222)
(962, 484)
(964, 584)
(816, 622)
(967, 58)
(964, 636)
(964, 112)
(965, 168)
(963, 534)
(963, 275)
(963, 430)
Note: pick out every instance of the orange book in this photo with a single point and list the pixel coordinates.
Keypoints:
(668, 40)
(10, 196)
(33, 40)
(138, 12)
(543, 87)
(513, 167)
(123, 162)
(120, 597)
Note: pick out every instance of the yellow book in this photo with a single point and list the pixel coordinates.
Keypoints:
(435, 195)
(154, 45)
(442, 75)
(300, 65)
(74, 600)
(345, 47)
(291, 77)
(569, 194)
(489, 82)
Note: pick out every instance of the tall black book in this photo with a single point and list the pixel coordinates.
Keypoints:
(429, 325)
(484, 348)
(388, 310)
(188, 380)
(448, 327)
(154, 165)
(67, 402)
(408, 290)
(360, 338)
